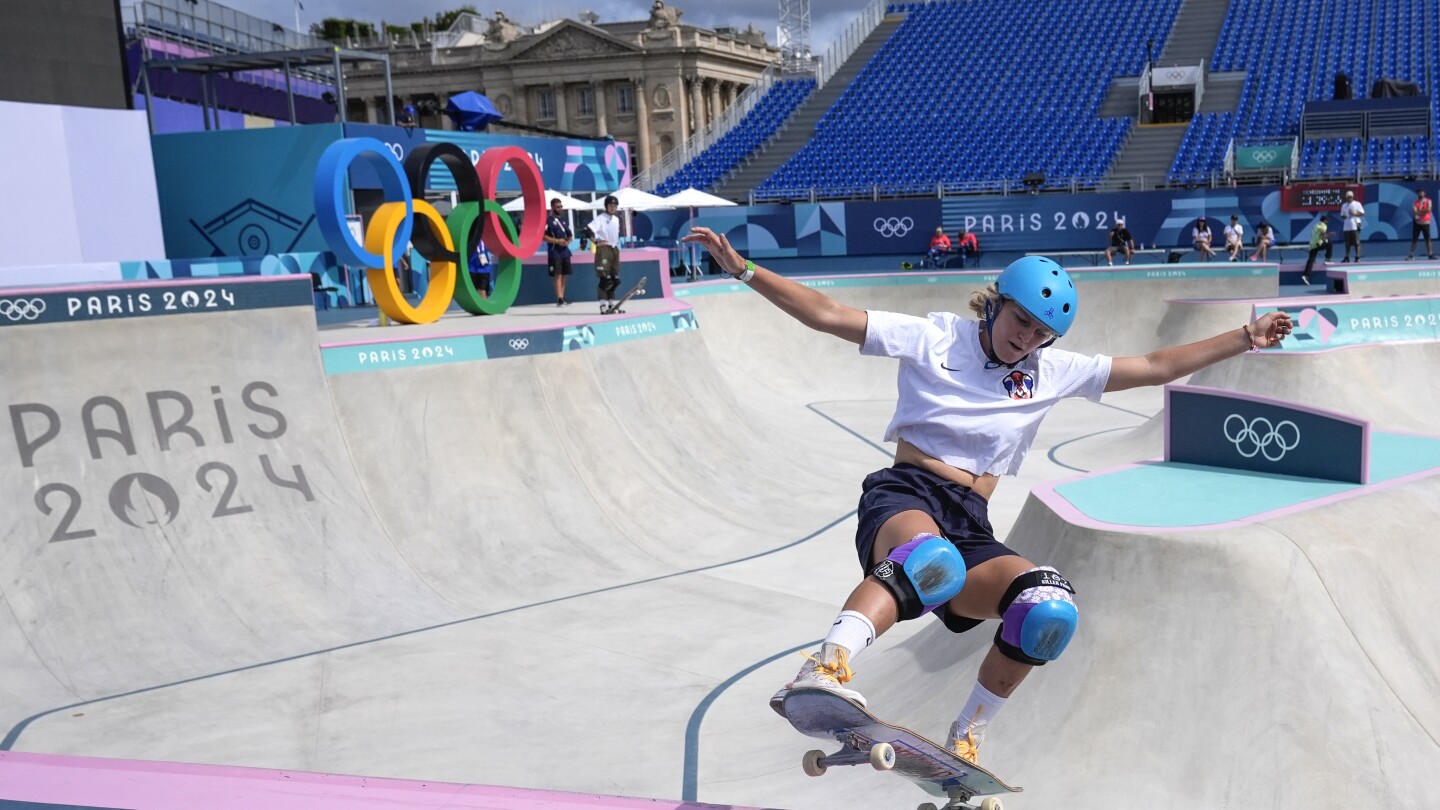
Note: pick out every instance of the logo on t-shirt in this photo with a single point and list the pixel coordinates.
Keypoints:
(1019, 385)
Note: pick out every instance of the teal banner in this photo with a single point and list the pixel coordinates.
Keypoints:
(240, 193)
(438, 350)
(1368, 321)
(1264, 157)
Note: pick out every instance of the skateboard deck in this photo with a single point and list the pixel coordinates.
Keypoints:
(868, 739)
(611, 309)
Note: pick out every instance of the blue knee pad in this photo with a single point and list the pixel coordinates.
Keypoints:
(922, 574)
(1039, 617)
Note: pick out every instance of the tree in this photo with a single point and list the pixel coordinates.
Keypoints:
(341, 29)
(445, 19)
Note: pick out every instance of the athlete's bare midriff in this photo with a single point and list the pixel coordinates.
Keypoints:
(983, 485)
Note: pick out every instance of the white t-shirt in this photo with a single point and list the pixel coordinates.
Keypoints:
(1198, 235)
(1235, 234)
(606, 228)
(1352, 214)
(954, 408)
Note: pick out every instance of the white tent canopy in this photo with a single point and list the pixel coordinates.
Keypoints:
(632, 199)
(695, 198)
(570, 203)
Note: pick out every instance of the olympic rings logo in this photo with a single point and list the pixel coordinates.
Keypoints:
(893, 226)
(1259, 436)
(445, 243)
(519, 344)
(22, 309)
(1264, 155)
(1177, 75)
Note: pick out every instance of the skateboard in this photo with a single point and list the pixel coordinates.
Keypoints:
(611, 309)
(868, 739)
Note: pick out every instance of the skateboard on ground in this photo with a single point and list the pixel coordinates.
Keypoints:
(611, 309)
(885, 747)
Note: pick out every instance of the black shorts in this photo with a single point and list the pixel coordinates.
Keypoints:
(1352, 238)
(560, 264)
(962, 515)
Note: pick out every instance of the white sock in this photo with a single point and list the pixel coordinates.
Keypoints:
(979, 710)
(853, 631)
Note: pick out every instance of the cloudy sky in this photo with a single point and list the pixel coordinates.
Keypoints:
(825, 23)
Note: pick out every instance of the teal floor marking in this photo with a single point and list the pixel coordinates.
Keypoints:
(1164, 495)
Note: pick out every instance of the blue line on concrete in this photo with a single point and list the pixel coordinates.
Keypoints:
(690, 781)
(14, 735)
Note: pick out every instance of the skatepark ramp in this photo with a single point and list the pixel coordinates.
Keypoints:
(585, 569)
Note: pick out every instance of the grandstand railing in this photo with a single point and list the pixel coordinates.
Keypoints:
(659, 171)
(215, 26)
(839, 51)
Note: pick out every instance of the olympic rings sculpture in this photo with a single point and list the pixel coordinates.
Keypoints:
(404, 218)
(1260, 436)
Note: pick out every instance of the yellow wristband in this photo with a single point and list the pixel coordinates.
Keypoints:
(749, 272)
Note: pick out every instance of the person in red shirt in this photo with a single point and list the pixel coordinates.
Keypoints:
(939, 246)
(967, 245)
(1421, 209)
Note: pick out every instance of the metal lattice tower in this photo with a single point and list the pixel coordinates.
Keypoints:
(795, 36)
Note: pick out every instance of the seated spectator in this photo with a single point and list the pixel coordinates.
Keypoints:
(1201, 238)
(966, 245)
(1234, 238)
(1120, 242)
(1264, 237)
(939, 246)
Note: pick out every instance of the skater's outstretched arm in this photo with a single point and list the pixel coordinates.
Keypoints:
(808, 306)
(1169, 364)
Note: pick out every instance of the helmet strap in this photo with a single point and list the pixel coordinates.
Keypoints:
(992, 310)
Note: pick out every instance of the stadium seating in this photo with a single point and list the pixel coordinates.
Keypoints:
(976, 95)
(758, 125)
(1291, 52)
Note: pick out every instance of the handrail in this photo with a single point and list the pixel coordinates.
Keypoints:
(661, 170)
(840, 50)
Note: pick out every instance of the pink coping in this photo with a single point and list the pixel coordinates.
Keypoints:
(123, 286)
(47, 778)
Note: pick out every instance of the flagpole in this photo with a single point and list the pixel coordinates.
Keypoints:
(297, 17)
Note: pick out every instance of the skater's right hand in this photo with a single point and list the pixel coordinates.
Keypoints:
(719, 247)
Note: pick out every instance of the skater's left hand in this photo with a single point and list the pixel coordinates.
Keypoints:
(1270, 329)
(725, 256)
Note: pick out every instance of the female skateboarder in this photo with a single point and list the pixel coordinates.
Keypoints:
(972, 394)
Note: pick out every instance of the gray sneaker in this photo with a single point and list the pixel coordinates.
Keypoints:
(830, 670)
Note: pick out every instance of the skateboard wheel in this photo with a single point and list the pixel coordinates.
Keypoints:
(992, 803)
(811, 763)
(882, 756)
(928, 806)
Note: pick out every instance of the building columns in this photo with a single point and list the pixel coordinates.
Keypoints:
(557, 92)
(697, 106)
(602, 127)
(715, 108)
(642, 117)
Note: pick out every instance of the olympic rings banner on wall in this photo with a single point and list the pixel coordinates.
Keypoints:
(446, 243)
(1218, 428)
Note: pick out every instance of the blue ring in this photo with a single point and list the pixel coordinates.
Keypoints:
(331, 176)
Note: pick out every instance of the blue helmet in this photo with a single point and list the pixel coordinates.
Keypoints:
(1043, 288)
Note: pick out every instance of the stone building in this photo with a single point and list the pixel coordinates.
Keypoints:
(650, 82)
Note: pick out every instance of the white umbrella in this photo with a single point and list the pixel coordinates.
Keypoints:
(631, 199)
(693, 198)
(570, 203)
